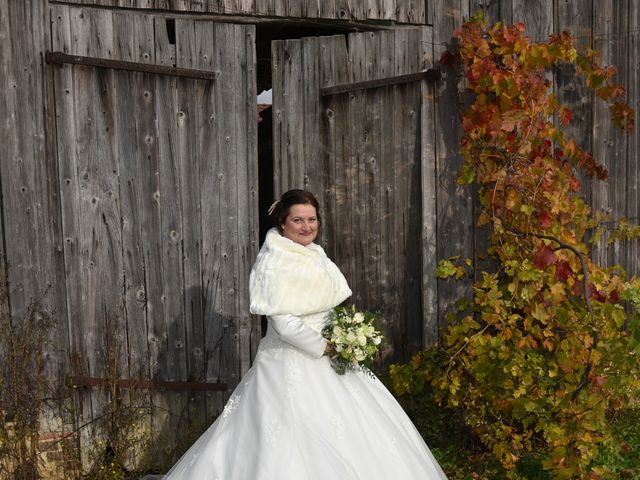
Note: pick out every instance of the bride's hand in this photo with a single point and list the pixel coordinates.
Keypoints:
(328, 350)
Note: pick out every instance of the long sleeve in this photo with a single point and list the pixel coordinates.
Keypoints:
(293, 330)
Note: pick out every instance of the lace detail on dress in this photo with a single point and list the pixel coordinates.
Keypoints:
(231, 405)
(271, 431)
(393, 446)
(354, 389)
(338, 427)
(292, 373)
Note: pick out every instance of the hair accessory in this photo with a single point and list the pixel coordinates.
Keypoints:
(272, 207)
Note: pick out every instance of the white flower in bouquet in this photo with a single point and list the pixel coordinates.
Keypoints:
(354, 337)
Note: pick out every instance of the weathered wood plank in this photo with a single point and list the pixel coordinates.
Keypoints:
(576, 18)
(66, 139)
(417, 12)
(387, 9)
(311, 114)
(387, 97)
(250, 246)
(342, 150)
(228, 195)
(246, 187)
(610, 22)
(537, 15)
(397, 175)
(355, 191)
(133, 269)
(31, 239)
(430, 328)
(400, 11)
(455, 204)
(375, 124)
(328, 9)
(632, 262)
(194, 49)
(326, 174)
(343, 9)
(277, 79)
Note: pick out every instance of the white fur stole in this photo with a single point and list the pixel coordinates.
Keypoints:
(289, 278)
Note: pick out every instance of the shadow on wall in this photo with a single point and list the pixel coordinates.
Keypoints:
(179, 417)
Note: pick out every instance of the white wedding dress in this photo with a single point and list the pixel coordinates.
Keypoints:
(292, 417)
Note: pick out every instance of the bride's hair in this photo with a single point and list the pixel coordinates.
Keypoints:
(280, 209)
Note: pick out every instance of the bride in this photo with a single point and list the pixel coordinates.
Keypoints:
(292, 417)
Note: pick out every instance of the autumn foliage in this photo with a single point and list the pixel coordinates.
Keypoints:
(545, 349)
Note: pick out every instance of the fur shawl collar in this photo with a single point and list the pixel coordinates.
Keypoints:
(289, 278)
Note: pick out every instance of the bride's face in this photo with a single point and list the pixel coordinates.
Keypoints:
(301, 225)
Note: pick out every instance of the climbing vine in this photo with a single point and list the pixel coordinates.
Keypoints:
(545, 349)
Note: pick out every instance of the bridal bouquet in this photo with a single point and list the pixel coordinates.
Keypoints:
(354, 337)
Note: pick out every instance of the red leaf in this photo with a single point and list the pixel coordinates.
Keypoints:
(545, 219)
(624, 448)
(563, 271)
(598, 381)
(566, 115)
(597, 295)
(574, 184)
(614, 297)
(578, 287)
(448, 59)
(543, 257)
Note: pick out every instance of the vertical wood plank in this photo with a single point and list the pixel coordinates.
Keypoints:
(342, 150)
(311, 156)
(355, 162)
(246, 140)
(280, 7)
(31, 237)
(279, 146)
(610, 24)
(387, 9)
(576, 18)
(537, 15)
(227, 193)
(327, 174)
(328, 9)
(387, 155)
(632, 262)
(374, 125)
(249, 233)
(343, 9)
(430, 329)
(399, 163)
(455, 203)
(294, 8)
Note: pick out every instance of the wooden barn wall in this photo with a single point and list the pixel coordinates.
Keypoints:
(127, 200)
(401, 11)
(361, 153)
(30, 206)
(157, 179)
(48, 209)
(611, 27)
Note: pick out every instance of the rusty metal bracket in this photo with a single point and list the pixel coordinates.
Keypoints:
(431, 75)
(60, 58)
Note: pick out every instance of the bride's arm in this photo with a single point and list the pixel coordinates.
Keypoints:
(293, 330)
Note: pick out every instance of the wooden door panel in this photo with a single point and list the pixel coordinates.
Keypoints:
(158, 178)
(361, 152)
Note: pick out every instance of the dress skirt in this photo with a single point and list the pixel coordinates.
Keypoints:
(293, 418)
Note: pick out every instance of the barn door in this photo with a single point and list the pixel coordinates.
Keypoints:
(352, 124)
(157, 181)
